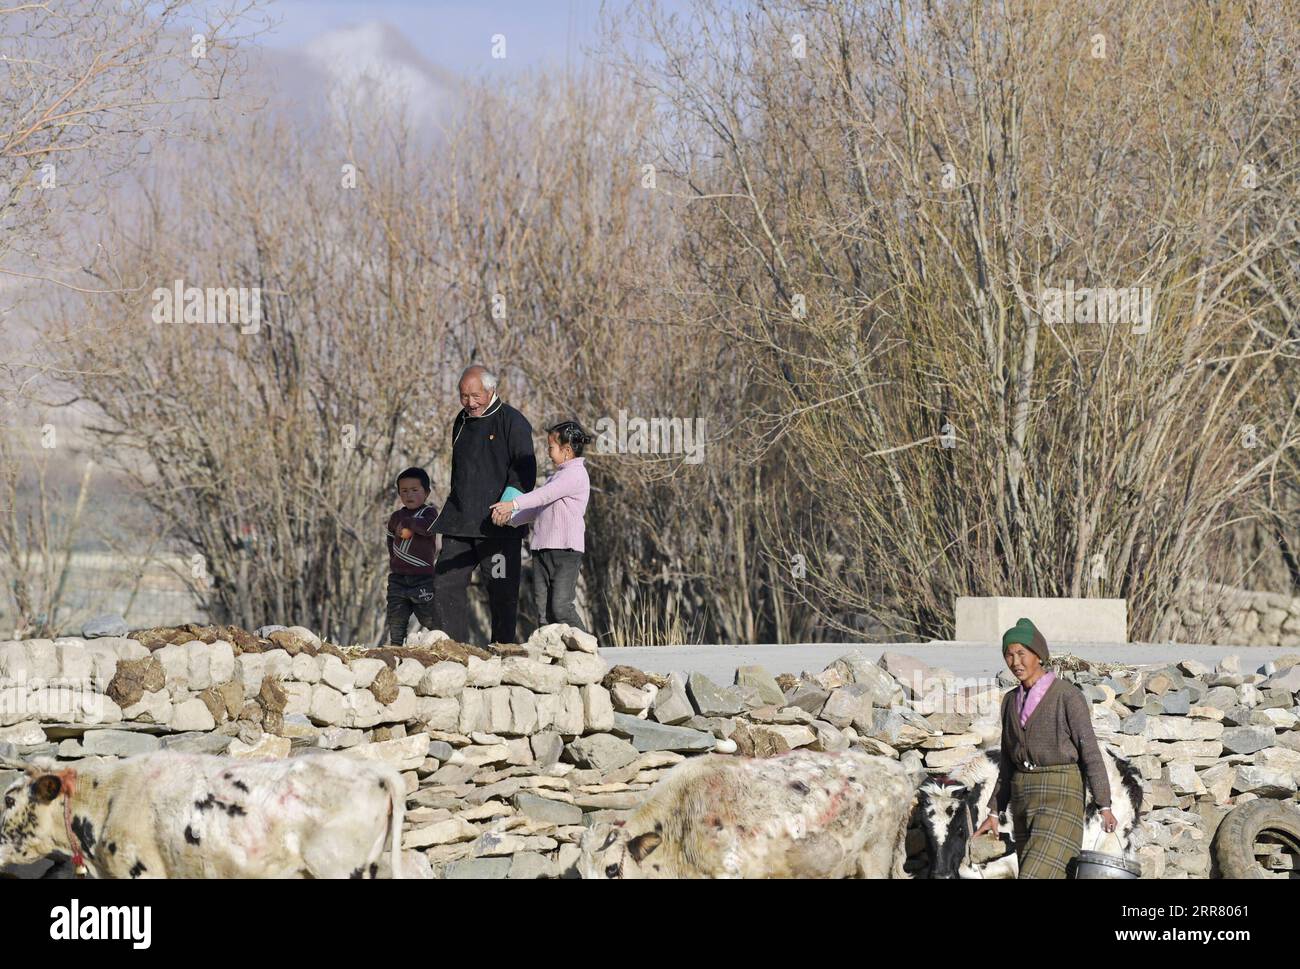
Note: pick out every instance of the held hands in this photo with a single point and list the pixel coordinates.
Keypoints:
(502, 511)
(990, 824)
(1108, 821)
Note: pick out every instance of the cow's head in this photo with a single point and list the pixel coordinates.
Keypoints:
(612, 851)
(31, 817)
(952, 808)
(949, 815)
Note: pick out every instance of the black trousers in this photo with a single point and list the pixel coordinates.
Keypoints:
(555, 584)
(409, 594)
(498, 561)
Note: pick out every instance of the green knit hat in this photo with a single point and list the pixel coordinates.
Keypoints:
(1026, 634)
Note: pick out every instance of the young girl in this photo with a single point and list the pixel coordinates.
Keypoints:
(556, 510)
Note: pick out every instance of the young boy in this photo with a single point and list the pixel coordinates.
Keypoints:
(412, 550)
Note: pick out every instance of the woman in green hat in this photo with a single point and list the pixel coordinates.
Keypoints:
(1048, 749)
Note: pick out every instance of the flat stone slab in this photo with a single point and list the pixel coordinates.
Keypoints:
(648, 735)
(530, 864)
(119, 743)
(547, 809)
(1247, 740)
(62, 731)
(761, 680)
(109, 624)
(197, 743)
(711, 699)
(477, 868)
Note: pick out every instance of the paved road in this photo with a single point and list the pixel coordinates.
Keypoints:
(963, 659)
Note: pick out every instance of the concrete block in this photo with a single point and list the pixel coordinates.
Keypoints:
(986, 618)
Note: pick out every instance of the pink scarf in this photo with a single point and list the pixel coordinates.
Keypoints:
(1028, 703)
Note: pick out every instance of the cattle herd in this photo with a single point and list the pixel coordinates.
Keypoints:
(803, 814)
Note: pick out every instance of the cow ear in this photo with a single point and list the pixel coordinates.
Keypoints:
(642, 845)
(46, 788)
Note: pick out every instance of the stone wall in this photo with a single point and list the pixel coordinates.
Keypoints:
(510, 753)
(1212, 613)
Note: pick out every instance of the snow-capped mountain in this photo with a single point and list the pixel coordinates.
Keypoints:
(371, 66)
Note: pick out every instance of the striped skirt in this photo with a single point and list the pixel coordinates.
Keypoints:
(1047, 812)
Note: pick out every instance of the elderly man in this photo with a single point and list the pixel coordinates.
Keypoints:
(491, 448)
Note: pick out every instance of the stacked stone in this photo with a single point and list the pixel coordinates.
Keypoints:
(1220, 614)
(510, 753)
(117, 697)
(1205, 740)
(478, 739)
(491, 797)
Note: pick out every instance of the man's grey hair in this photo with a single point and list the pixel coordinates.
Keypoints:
(485, 375)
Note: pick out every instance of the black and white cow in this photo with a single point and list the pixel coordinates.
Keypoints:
(951, 808)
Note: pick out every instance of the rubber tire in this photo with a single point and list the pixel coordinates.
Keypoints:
(1234, 842)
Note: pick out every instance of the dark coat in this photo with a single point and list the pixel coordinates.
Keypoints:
(487, 454)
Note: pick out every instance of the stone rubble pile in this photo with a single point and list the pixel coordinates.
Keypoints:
(510, 752)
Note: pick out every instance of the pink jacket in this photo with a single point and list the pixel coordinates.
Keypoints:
(556, 509)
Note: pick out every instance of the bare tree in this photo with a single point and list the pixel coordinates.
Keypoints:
(884, 200)
(968, 299)
(37, 535)
(88, 88)
(267, 438)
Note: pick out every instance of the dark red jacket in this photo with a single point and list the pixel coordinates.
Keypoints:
(415, 555)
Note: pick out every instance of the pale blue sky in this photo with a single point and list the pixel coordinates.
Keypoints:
(456, 34)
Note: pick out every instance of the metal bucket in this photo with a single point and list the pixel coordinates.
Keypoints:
(1099, 864)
